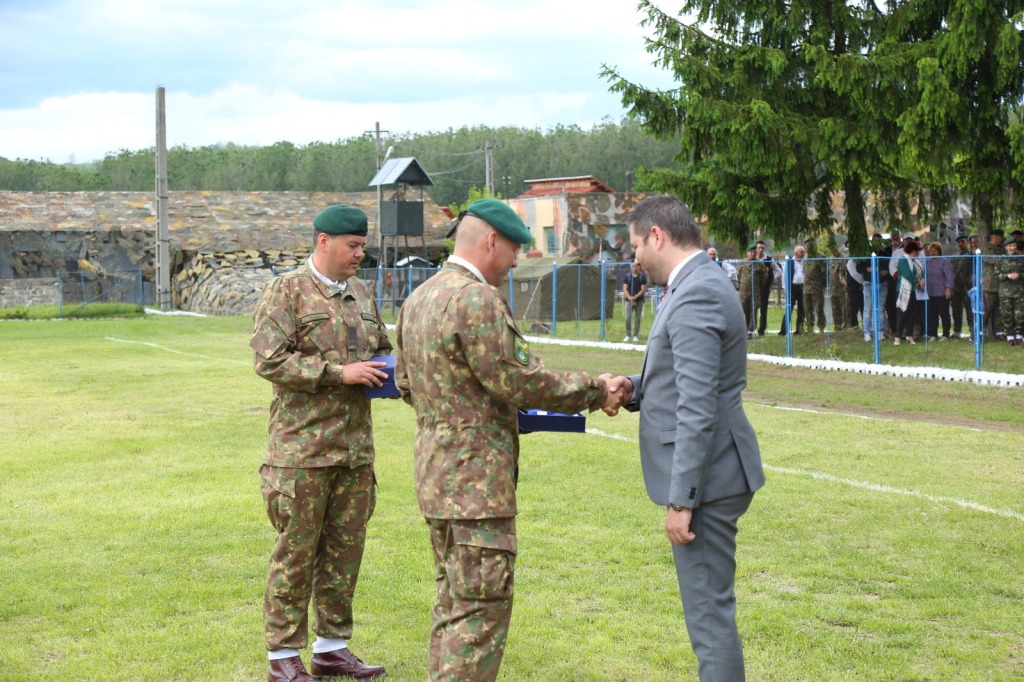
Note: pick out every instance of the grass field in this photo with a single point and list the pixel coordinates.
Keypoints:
(887, 545)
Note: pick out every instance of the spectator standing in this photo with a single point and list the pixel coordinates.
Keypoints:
(749, 276)
(875, 299)
(963, 280)
(633, 291)
(765, 288)
(1010, 272)
(939, 280)
(990, 282)
(796, 290)
(837, 286)
(727, 267)
(898, 246)
(854, 294)
(910, 277)
(814, 287)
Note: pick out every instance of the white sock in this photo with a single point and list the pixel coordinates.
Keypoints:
(322, 645)
(281, 653)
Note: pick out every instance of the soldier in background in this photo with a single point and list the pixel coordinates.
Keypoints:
(315, 328)
(764, 288)
(814, 287)
(465, 368)
(1010, 273)
(963, 280)
(990, 283)
(837, 286)
(750, 276)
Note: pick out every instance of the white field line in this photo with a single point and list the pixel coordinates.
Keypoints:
(178, 352)
(875, 487)
(842, 414)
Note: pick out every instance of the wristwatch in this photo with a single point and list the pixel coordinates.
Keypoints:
(678, 507)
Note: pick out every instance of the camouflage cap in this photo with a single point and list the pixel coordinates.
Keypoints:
(498, 215)
(341, 219)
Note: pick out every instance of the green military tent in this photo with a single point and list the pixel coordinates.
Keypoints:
(576, 287)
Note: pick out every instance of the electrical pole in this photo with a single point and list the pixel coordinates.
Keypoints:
(380, 192)
(489, 168)
(163, 250)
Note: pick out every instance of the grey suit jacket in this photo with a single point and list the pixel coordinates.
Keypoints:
(696, 444)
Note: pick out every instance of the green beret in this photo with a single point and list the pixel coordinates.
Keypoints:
(341, 219)
(752, 247)
(498, 215)
(961, 236)
(996, 233)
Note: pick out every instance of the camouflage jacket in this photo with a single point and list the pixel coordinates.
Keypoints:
(751, 275)
(814, 272)
(837, 274)
(963, 270)
(465, 368)
(989, 281)
(304, 331)
(1004, 266)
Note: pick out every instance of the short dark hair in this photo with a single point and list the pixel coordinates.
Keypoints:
(668, 213)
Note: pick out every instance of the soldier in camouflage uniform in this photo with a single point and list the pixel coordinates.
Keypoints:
(963, 280)
(465, 368)
(837, 286)
(814, 287)
(990, 283)
(750, 277)
(1010, 273)
(315, 328)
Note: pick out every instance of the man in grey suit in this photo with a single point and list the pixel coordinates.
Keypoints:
(698, 451)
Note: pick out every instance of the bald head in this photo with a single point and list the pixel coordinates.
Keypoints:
(471, 232)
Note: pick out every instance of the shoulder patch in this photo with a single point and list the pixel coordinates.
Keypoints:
(522, 350)
(306, 319)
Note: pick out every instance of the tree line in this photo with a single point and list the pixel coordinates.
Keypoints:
(454, 159)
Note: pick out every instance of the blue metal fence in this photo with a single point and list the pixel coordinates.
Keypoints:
(870, 340)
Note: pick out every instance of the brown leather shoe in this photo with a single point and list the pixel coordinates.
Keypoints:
(344, 663)
(289, 670)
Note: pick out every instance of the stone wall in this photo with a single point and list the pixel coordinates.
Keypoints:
(28, 292)
(230, 283)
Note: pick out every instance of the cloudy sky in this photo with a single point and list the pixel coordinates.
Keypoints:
(78, 77)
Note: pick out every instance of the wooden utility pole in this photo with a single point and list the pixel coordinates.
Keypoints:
(489, 167)
(380, 194)
(163, 249)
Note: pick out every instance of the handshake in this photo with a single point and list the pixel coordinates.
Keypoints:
(620, 392)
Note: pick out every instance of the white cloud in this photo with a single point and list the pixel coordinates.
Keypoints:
(77, 77)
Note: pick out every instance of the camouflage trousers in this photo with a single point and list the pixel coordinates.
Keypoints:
(475, 565)
(747, 302)
(814, 305)
(993, 323)
(320, 515)
(1011, 309)
(837, 298)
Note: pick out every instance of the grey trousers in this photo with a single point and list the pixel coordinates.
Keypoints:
(706, 570)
